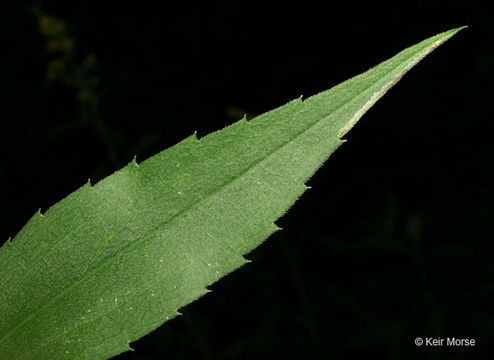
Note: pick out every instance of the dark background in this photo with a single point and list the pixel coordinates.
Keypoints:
(394, 240)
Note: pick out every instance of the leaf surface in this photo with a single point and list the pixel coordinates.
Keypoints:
(113, 261)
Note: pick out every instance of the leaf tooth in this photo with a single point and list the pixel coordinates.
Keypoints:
(88, 186)
(275, 228)
(224, 269)
(132, 164)
(6, 245)
(194, 137)
(245, 260)
(134, 161)
(39, 214)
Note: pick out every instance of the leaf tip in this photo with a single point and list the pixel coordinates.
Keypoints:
(455, 30)
(427, 46)
(448, 34)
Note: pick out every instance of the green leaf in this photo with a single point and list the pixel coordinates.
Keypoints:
(113, 261)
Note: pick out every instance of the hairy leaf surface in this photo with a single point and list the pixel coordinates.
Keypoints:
(113, 261)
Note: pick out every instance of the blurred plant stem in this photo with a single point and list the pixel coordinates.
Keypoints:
(80, 75)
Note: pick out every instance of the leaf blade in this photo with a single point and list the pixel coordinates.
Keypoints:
(143, 242)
